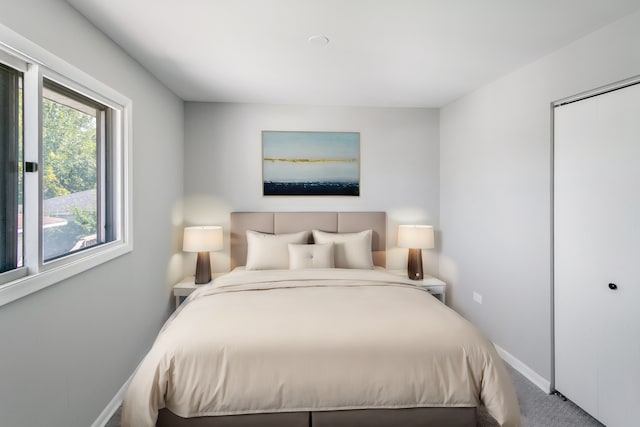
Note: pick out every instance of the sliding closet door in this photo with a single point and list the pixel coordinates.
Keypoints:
(597, 254)
(577, 258)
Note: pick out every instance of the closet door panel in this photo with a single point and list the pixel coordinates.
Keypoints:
(619, 327)
(576, 259)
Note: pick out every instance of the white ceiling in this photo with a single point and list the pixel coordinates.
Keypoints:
(397, 53)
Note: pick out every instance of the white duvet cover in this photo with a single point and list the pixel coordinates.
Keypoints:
(313, 340)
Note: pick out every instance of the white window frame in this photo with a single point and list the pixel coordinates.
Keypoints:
(37, 63)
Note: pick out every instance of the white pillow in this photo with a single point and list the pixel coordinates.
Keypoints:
(310, 256)
(271, 251)
(351, 250)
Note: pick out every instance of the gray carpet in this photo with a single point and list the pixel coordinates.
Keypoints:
(538, 409)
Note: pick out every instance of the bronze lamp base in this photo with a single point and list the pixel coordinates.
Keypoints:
(203, 269)
(414, 264)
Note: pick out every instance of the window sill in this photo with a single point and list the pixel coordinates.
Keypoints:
(29, 284)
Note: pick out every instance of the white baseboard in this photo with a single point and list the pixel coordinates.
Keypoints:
(527, 372)
(113, 406)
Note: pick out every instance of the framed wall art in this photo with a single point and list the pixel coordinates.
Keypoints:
(310, 163)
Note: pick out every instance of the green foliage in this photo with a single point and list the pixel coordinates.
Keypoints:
(70, 154)
(85, 220)
(52, 186)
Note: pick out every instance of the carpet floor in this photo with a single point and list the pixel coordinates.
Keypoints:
(537, 408)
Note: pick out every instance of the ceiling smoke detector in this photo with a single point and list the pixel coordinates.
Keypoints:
(318, 40)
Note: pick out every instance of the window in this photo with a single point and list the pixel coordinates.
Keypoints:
(73, 177)
(10, 170)
(64, 172)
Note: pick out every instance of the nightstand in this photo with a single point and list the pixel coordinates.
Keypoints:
(186, 286)
(433, 285)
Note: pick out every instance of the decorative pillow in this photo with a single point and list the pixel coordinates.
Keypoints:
(270, 251)
(351, 250)
(311, 256)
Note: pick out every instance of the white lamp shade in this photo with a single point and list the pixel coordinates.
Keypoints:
(415, 236)
(206, 238)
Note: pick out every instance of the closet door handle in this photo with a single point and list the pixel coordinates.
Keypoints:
(613, 286)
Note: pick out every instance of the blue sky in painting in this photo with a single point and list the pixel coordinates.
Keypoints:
(311, 145)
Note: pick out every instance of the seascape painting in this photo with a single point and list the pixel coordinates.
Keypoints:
(311, 163)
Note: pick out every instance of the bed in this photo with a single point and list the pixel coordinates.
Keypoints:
(344, 344)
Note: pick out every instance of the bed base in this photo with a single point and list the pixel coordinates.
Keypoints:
(409, 417)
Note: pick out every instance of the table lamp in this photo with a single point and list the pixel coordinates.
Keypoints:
(202, 239)
(416, 238)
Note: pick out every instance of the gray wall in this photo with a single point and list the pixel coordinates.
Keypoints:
(399, 152)
(496, 188)
(65, 351)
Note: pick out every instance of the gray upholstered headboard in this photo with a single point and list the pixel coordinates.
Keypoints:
(291, 222)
